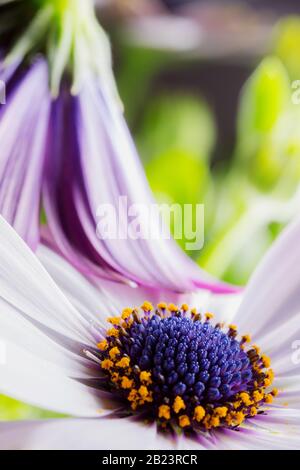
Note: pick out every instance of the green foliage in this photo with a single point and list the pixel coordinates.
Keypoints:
(248, 200)
(11, 410)
(176, 139)
(269, 130)
(287, 44)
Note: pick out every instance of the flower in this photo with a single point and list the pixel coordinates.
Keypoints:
(86, 351)
(68, 150)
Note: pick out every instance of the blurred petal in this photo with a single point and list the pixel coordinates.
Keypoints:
(100, 166)
(75, 434)
(279, 429)
(101, 299)
(26, 286)
(289, 392)
(271, 305)
(43, 335)
(23, 126)
(33, 380)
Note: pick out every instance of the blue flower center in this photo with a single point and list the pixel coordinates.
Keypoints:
(191, 359)
(181, 370)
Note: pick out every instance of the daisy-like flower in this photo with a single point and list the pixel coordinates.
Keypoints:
(157, 376)
(66, 149)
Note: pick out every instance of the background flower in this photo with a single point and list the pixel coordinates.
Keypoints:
(81, 155)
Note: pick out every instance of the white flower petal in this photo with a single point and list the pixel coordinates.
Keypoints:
(42, 332)
(26, 377)
(282, 343)
(46, 344)
(26, 286)
(289, 392)
(279, 429)
(97, 302)
(271, 305)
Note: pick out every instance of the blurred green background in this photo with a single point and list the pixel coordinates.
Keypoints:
(216, 118)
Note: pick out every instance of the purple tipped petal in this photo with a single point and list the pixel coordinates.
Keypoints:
(91, 161)
(23, 125)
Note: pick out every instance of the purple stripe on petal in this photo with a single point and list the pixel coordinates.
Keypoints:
(23, 125)
(91, 160)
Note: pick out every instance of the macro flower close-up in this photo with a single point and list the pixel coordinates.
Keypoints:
(154, 375)
(149, 227)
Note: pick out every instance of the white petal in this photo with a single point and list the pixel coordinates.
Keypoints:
(42, 332)
(289, 392)
(271, 306)
(278, 429)
(282, 343)
(97, 302)
(26, 377)
(25, 285)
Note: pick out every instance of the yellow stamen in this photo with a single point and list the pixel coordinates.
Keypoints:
(143, 391)
(126, 313)
(257, 396)
(266, 360)
(184, 307)
(126, 382)
(123, 363)
(199, 413)
(133, 395)
(269, 398)
(107, 364)
(103, 345)
(164, 412)
(246, 338)
(246, 398)
(236, 404)
(114, 352)
(113, 332)
(173, 308)
(114, 320)
(221, 411)
(178, 404)
(215, 421)
(147, 307)
(162, 305)
(115, 377)
(184, 421)
(145, 377)
(209, 316)
(238, 418)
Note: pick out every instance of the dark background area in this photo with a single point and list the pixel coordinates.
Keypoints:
(280, 6)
